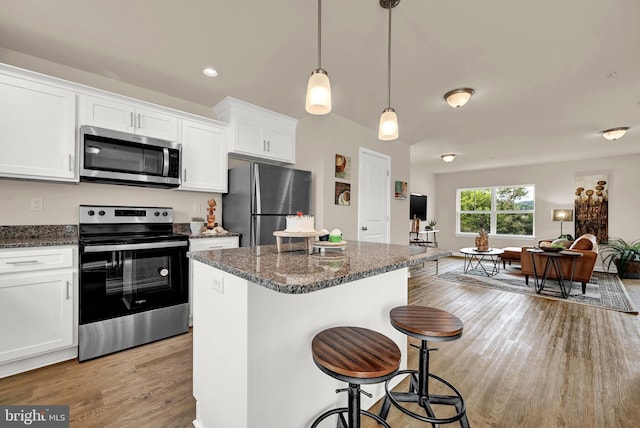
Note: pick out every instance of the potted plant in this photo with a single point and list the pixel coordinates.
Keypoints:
(196, 224)
(626, 257)
(431, 224)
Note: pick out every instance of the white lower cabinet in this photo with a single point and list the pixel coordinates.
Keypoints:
(38, 307)
(204, 156)
(205, 244)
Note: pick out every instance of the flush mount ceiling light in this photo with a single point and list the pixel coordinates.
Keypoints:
(209, 71)
(319, 88)
(388, 128)
(458, 97)
(614, 133)
(449, 157)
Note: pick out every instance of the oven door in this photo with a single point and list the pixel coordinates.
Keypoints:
(123, 279)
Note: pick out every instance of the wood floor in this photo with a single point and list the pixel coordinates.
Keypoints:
(523, 361)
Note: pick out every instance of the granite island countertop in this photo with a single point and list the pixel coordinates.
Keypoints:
(294, 271)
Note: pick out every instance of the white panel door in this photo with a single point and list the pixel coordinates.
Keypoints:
(373, 201)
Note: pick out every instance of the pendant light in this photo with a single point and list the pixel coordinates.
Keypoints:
(388, 128)
(319, 89)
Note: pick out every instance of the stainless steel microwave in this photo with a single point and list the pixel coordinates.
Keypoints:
(109, 156)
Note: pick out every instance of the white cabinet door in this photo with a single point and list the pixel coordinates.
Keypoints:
(37, 130)
(205, 244)
(258, 133)
(36, 314)
(127, 117)
(204, 156)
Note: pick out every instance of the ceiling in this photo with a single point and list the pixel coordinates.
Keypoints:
(548, 75)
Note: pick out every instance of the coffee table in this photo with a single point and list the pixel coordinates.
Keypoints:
(474, 258)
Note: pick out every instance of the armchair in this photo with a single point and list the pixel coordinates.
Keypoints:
(586, 244)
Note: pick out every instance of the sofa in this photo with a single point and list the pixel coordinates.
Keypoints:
(585, 244)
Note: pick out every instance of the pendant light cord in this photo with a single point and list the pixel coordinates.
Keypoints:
(389, 61)
(319, 33)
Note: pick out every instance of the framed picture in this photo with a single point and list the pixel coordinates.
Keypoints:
(401, 190)
(343, 193)
(343, 167)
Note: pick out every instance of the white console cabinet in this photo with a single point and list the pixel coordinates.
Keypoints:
(258, 133)
(113, 113)
(204, 156)
(38, 307)
(37, 128)
(205, 244)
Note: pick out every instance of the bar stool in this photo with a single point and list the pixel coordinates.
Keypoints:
(426, 324)
(357, 356)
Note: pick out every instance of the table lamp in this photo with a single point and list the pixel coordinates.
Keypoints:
(562, 216)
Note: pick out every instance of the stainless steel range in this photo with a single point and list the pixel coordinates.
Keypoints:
(134, 275)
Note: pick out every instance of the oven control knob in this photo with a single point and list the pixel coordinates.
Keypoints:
(91, 212)
(101, 212)
(164, 213)
(157, 213)
(163, 271)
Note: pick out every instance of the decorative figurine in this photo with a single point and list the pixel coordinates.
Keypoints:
(211, 217)
(482, 241)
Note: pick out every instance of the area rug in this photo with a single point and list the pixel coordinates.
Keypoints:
(604, 290)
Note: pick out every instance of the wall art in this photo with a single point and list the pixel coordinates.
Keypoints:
(592, 206)
(401, 190)
(343, 167)
(343, 193)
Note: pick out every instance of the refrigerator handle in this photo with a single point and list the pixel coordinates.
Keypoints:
(256, 190)
(255, 231)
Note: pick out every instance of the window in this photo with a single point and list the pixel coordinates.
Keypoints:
(504, 210)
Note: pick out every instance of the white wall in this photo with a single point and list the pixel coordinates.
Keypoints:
(319, 139)
(61, 201)
(555, 187)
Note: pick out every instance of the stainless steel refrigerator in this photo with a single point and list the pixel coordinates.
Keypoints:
(259, 199)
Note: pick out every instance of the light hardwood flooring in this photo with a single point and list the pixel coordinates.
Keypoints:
(522, 361)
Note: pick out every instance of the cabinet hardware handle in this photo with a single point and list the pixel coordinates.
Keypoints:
(213, 247)
(68, 290)
(139, 122)
(184, 178)
(70, 163)
(24, 262)
(131, 124)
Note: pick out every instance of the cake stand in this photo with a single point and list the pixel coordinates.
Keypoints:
(309, 237)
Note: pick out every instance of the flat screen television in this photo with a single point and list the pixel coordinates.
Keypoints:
(418, 207)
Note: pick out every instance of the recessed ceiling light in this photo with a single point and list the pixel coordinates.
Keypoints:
(209, 71)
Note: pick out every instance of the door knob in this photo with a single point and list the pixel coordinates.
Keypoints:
(364, 228)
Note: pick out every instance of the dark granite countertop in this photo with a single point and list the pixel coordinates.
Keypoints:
(38, 236)
(294, 271)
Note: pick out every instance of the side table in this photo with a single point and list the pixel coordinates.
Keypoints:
(553, 260)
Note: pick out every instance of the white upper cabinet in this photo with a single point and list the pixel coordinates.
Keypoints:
(37, 129)
(128, 117)
(258, 133)
(204, 156)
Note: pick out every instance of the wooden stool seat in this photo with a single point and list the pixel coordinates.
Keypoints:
(358, 356)
(355, 354)
(426, 323)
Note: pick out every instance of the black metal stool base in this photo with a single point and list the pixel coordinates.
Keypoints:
(425, 401)
(419, 394)
(353, 412)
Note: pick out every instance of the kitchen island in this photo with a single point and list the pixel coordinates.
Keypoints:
(256, 311)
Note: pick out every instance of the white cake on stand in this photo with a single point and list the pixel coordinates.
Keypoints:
(300, 223)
